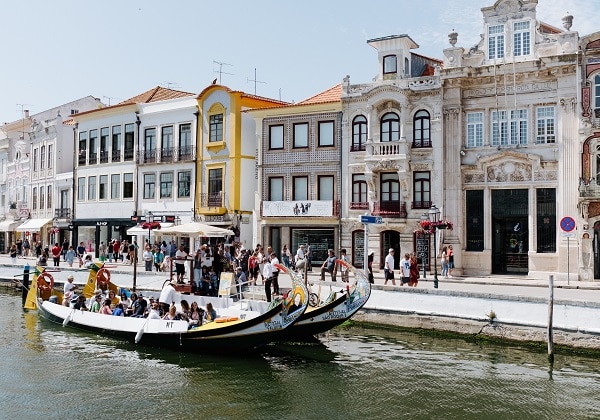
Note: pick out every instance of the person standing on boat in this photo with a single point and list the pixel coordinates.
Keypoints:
(167, 296)
(69, 289)
(274, 260)
(267, 274)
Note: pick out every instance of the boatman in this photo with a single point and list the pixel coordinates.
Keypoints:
(167, 296)
(69, 289)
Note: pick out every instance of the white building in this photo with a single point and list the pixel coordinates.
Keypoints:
(511, 160)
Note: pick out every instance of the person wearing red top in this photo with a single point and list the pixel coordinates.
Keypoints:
(116, 248)
(56, 251)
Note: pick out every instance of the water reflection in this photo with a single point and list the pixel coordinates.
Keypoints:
(354, 373)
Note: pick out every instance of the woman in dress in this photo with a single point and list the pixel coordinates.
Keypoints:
(196, 315)
(414, 271)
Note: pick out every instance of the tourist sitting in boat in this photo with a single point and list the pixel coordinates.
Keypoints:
(196, 315)
(210, 315)
(132, 299)
(125, 301)
(113, 298)
(118, 311)
(185, 310)
(80, 303)
(95, 306)
(105, 309)
(139, 307)
(172, 315)
(154, 313)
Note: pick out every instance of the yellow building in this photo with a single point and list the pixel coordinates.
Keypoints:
(226, 179)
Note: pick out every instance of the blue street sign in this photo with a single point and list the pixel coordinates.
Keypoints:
(377, 220)
(567, 224)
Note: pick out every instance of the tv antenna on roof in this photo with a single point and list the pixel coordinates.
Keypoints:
(220, 71)
(255, 81)
(109, 98)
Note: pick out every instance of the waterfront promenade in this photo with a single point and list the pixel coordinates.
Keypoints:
(461, 304)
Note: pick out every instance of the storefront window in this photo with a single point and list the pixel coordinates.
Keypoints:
(320, 241)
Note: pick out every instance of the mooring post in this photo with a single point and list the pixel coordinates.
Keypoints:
(25, 283)
(550, 313)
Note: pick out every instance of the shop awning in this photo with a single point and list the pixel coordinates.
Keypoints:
(139, 231)
(9, 225)
(33, 225)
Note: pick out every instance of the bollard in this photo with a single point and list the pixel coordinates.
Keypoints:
(25, 283)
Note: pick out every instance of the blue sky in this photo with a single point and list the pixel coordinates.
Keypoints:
(55, 52)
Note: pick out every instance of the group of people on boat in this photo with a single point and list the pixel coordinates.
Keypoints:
(138, 306)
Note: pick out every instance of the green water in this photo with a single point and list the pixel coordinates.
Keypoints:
(52, 372)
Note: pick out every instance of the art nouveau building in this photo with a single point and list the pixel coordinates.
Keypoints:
(392, 151)
(511, 155)
(588, 217)
(299, 174)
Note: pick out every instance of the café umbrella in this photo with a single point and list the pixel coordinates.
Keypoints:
(197, 229)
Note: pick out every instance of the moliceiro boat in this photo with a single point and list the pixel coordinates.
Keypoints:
(239, 325)
(344, 300)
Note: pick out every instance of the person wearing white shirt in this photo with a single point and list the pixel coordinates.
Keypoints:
(267, 274)
(180, 258)
(300, 258)
(388, 269)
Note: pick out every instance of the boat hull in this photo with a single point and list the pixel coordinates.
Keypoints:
(215, 337)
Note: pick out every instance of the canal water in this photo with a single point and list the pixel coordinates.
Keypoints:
(51, 372)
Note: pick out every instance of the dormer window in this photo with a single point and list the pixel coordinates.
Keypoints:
(390, 64)
(496, 42)
(521, 39)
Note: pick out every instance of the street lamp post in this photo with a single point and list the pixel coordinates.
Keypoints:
(424, 250)
(150, 220)
(434, 214)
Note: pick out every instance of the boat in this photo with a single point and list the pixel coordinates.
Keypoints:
(244, 324)
(342, 303)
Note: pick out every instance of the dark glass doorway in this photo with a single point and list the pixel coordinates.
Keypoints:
(391, 239)
(510, 232)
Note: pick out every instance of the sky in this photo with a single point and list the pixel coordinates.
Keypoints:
(60, 51)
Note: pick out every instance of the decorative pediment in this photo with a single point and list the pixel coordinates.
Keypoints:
(425, 165)
(510, 167)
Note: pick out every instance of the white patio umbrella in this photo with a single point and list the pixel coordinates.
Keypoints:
(197, 229)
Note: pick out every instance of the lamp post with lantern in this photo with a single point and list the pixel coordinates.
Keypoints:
(434, 216)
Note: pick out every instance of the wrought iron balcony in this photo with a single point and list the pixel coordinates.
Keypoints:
(421, 204)
(212, 200)
(62, 213)
(104, 156)
(167, 155)
(392, 209)
(128, 155)
(359, 206)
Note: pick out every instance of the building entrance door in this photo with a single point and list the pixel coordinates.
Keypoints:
(510, 232)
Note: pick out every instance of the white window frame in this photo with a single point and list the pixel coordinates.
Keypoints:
(545, 125)
(509, 128)
(521, 38)
(496, 44)
(474, 129)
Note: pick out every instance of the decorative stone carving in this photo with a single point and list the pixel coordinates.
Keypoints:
(476, 178)
(426, 165)
(545, 175)
(452, 37)
(509, 172)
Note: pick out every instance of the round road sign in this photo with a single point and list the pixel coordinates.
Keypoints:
(567, 224)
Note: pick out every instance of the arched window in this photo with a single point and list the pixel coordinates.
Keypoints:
(421, 129)
(390, 127)
(359, 133)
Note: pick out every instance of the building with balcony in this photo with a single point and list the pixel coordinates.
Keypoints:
(226, 171)
(299, 174)
(36, 161)
(511, 144)
(133, 158)
(392, 150)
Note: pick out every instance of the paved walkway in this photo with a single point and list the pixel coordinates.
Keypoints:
(514, 286)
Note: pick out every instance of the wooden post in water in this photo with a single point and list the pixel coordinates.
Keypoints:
(550, 314)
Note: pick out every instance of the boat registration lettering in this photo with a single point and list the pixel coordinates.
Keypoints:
(169, 324)
(334, 315)
(273, 325)
(242, 316)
